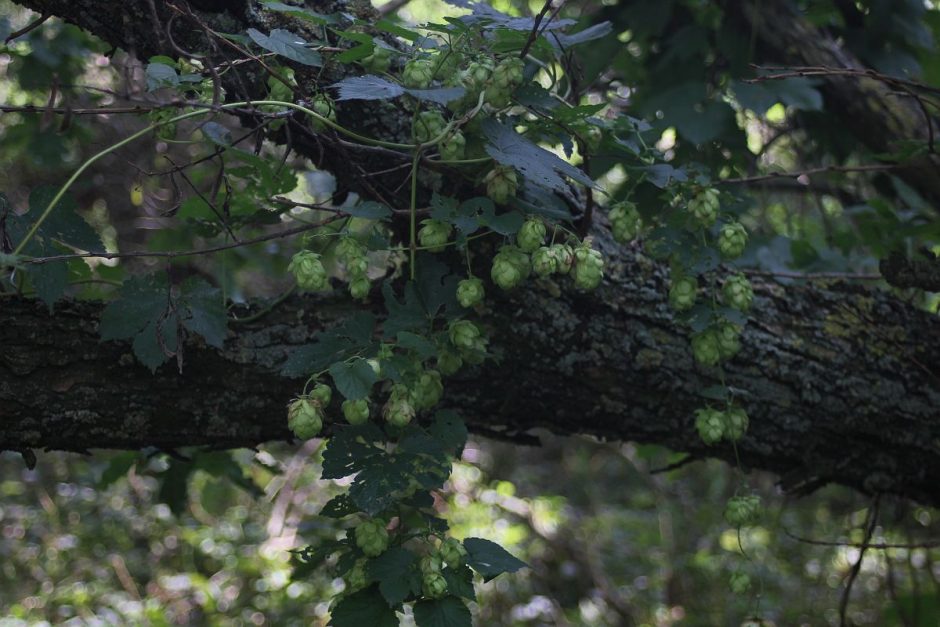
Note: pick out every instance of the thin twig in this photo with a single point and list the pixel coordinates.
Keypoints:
(534, 33)
(29, 27)
(927, 544)
(870, 167)
(811, 276)
(871, 521)
(171, 254)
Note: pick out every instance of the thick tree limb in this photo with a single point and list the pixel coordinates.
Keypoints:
(841, 384)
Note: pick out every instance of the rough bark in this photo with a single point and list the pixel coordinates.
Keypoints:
(841, 383)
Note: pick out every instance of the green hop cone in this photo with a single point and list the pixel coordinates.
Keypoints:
(304, 418)
(356, 412)
(588, 267)
(308, 271)
(323, 106)
(508, 73)
(464, 335)
(434, 585)
(418, 74)
(496, 96)
(705, 347)
(592, 136)
(428, 125)
(379, 61)
(434, 234)
(399, 408)
(710, 424)
(322, 393)
(475, 76)
(742, 510)
(349, 249)
(372, 537)
(683, 293)
(431, 563)
(625, 221)
(736, 422)
(510, 267)
(732, 240)
(453, 147)
(545, 261)
(470, 292)
(531, 235)
(704, 208)
(452, 552)
(728, 336)
(356, 577)
(449, 362)
(739, 583)
(501, 184)
(738, 293)
(565, 256)
(359, 286)
(428, 390)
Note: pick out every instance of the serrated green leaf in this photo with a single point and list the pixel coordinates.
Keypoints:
(217, 134)
(447, 612)
(460, 582)
(174, 485)
(142, 299)
(161, 75)
(205, 312)
(151, 350)
(538, 165)
(364, 608)
(353, 379)
(489, 559)
(339, 506)
(378, 484)
(418, 343)
(346, 453)
(391, 570)
(300, 12)
(403, 316)
(286, 44)
(371, 87)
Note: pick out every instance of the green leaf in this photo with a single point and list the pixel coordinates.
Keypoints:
(142, 299)
(486, 16)
(217, 134)
(161, 75)
(538, 165)
(286, 44)
(346, 453)
(353, 379)
(392, 569)
(447, 612)
(205, 312)
(406, 316)
(118, 466)
(449, 429)
(378, 484)
(460, 582)
(364, 608)
(339, 506)
(174, 485)
(154, 344)
(299, 12)
(424, 347)
(489, 559)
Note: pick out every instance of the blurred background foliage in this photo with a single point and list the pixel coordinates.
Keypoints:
(128, 538)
